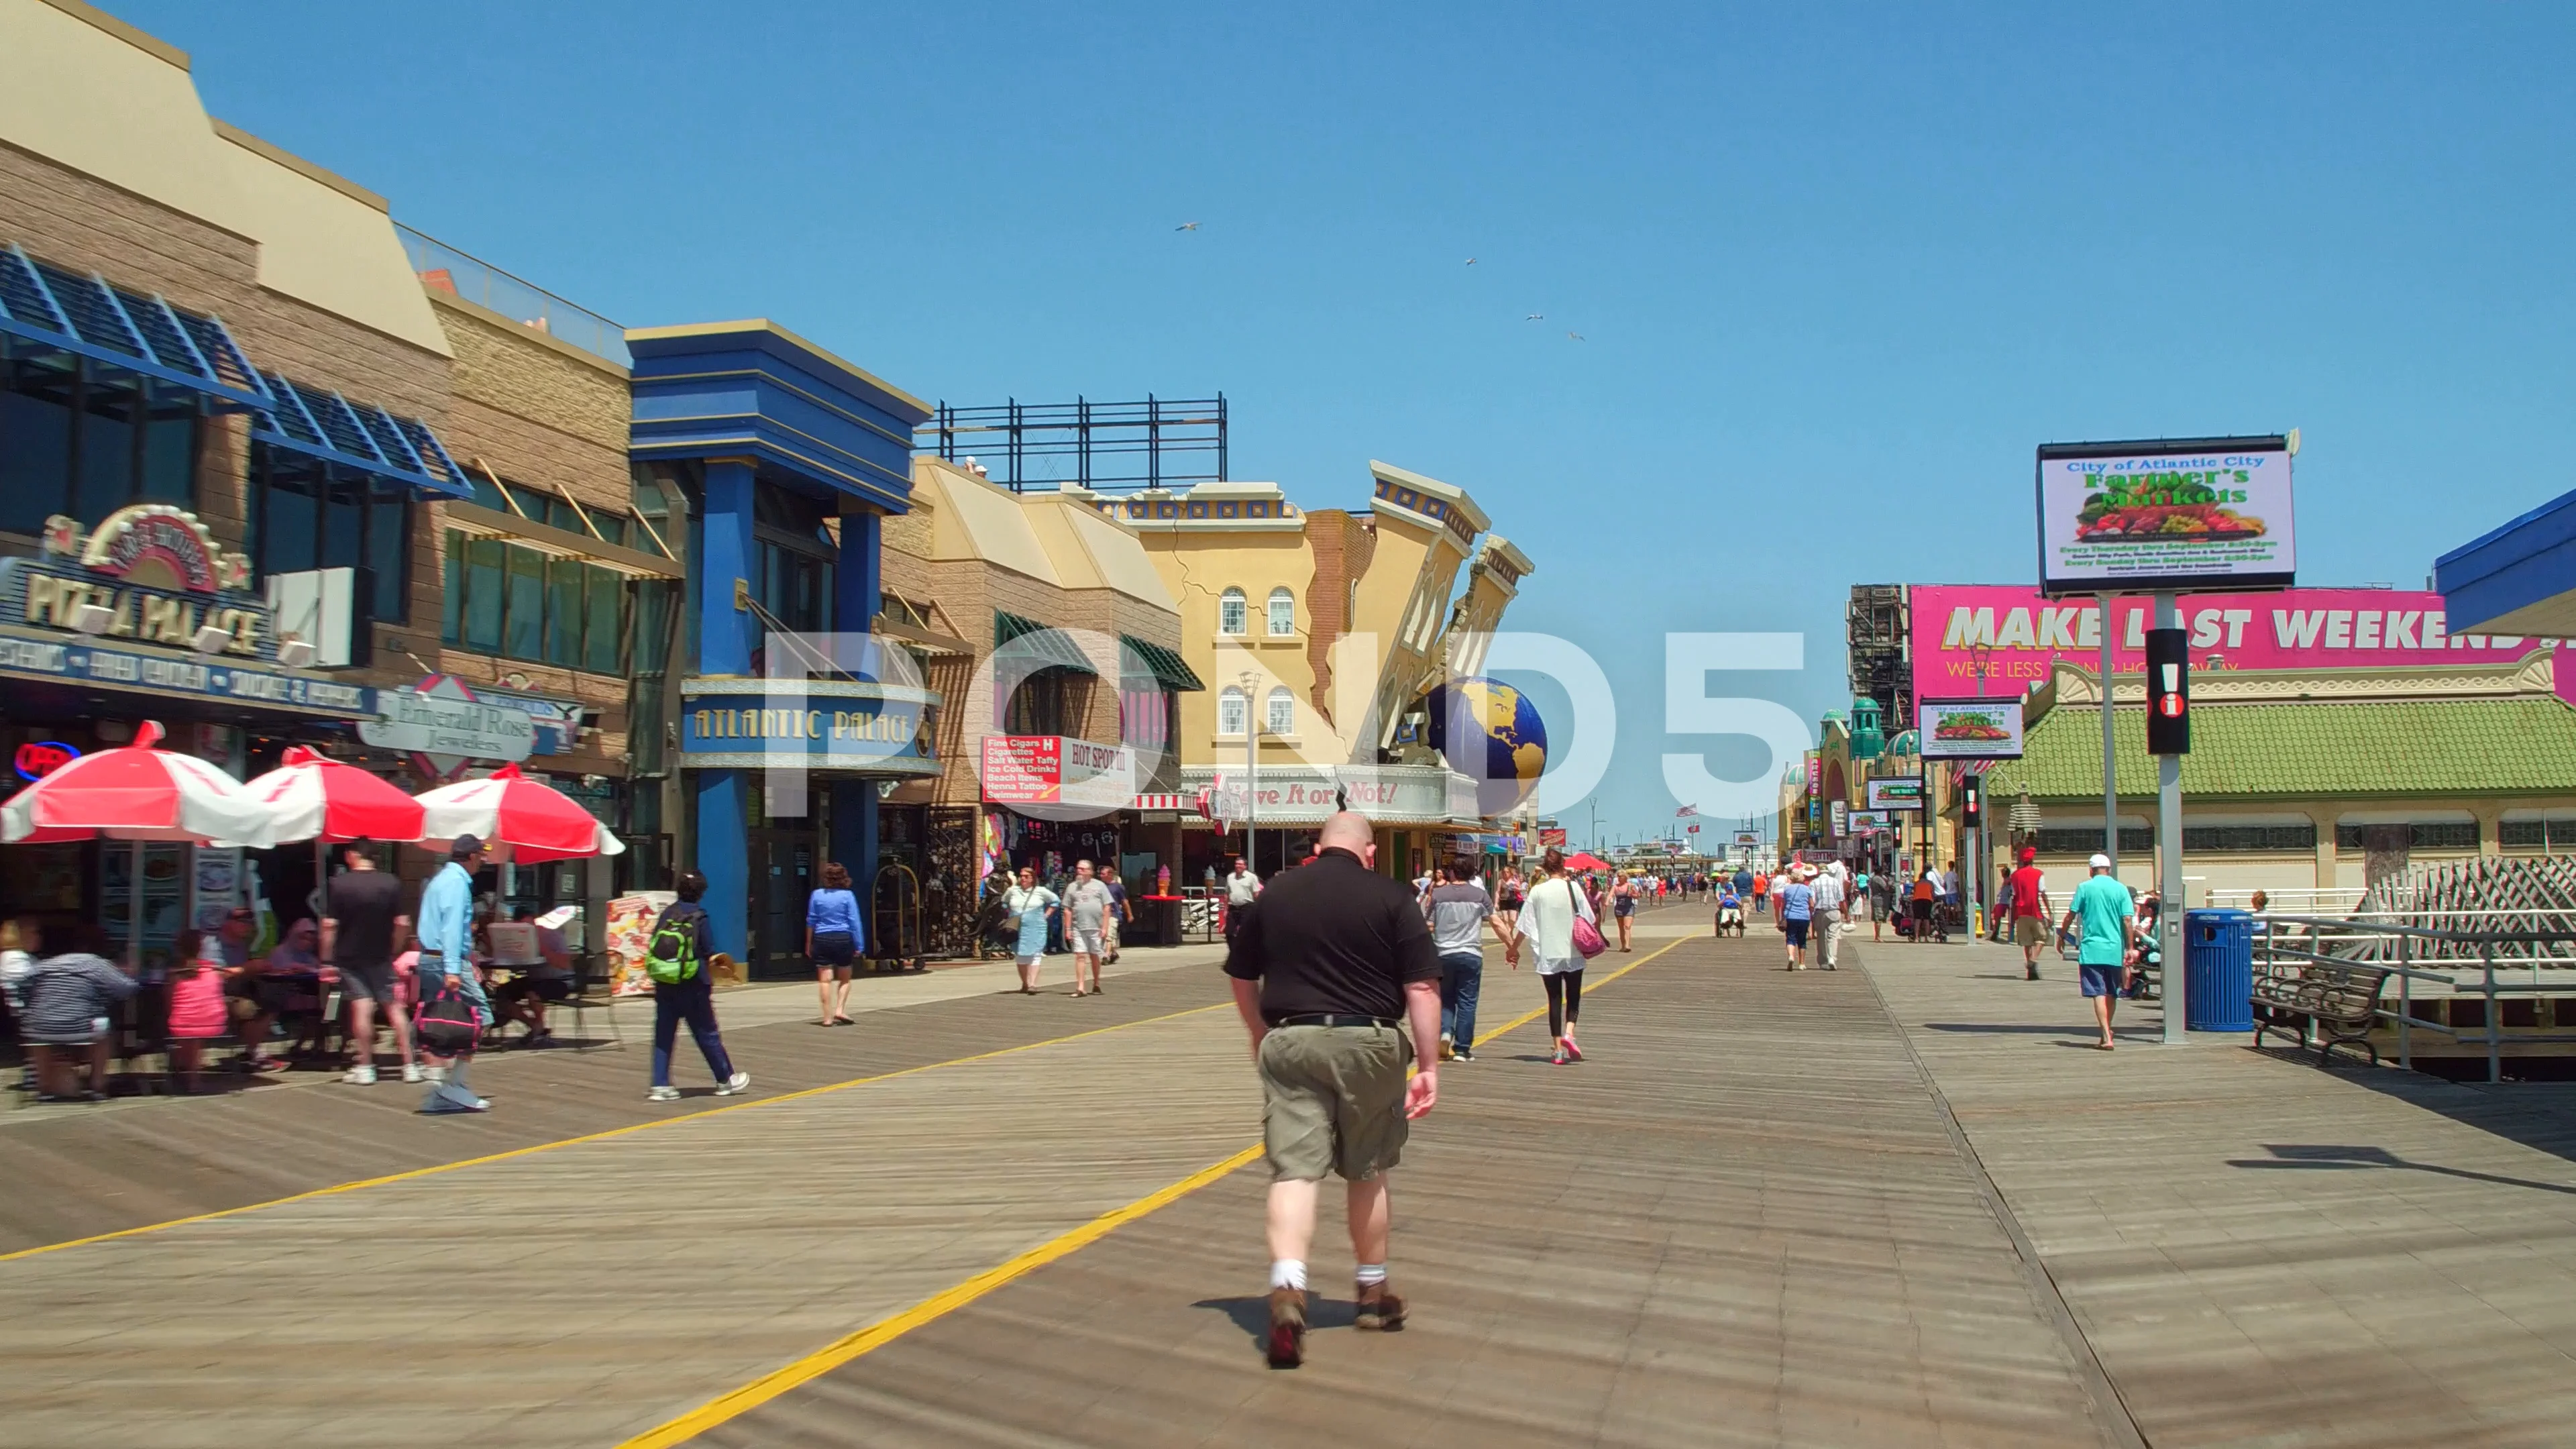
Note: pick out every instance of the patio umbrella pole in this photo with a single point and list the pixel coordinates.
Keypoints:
(134, 913)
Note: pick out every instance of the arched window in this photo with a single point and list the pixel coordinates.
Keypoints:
(1280, 717)
(1231, 711)
(1232, 613)
(1283, 613)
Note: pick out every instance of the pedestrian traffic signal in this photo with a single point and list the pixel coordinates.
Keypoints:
(2168, 692)
(1972, 801)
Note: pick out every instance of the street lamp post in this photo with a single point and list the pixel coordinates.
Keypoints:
(1251, 771)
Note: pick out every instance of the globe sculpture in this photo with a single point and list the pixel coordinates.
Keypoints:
(1491, 733)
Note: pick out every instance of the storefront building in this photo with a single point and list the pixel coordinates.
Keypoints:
(778, 462)
(221, 400)
(1057, 642)
(1319, 632)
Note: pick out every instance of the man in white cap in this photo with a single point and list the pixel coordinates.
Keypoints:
(2106, 953)
(1827, 898)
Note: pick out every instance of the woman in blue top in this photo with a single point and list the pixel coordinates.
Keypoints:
(832, 941)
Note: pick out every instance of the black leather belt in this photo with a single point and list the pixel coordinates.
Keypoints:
(1333, 1018)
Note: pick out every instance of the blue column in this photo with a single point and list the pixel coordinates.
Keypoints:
(854, 841)
(857, 595)
(725, 635)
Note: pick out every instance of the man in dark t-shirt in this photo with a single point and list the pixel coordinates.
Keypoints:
(366, 911)
(1329, 966)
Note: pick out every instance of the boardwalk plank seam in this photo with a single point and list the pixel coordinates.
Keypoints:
(2112, 1416)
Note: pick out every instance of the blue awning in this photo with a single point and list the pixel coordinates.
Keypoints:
(92, 318)
(320, 423)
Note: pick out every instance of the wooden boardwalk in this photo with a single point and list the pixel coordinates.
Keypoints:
(1883, 1206)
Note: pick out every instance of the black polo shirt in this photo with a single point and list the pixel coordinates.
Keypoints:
(1333, 936)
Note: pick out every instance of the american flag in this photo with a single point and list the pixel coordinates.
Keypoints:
(1685, 811)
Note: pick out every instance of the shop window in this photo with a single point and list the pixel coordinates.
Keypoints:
(2248, 839)
(87, 438)
(523, 603)
(516, 602)
(604, 625)
(2420, 835)
(2550, 835)
(564, 598)
(1283, 614)
(1233, 712)
(1279, 716)
(1145, 714)
(307, 514)
(1233, 614)
(1043, 704)
(2079, 840)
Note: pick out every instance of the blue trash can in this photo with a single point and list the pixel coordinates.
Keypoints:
(2218, 970)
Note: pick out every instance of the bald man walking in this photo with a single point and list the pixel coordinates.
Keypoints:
(1329, 968)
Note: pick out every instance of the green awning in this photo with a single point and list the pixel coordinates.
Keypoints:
(1167, 667)
(1041, 645)
(2288, 749)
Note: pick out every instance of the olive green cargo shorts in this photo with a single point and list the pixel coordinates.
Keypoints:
(1333, 1100)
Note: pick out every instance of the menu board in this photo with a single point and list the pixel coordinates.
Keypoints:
(630, 935)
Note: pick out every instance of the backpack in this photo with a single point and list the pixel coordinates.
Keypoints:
(673, 956)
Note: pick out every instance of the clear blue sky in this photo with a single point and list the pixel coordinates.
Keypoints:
(1837, 269)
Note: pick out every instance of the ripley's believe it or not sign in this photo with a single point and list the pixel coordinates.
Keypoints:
(2145, 517)
(158, 578)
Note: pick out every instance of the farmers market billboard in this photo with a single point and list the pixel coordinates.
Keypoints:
(1902, 793)
(1970, 729)
(2143, 517)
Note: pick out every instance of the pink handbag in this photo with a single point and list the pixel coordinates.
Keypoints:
(1587, 936)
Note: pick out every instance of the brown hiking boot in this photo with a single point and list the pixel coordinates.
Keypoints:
(1379, 1309)
(1287, 1342)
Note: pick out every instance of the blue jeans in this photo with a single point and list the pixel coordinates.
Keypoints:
(1462, 978)
(695, 1003)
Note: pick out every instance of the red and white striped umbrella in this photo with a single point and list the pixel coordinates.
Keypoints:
(320, 798)
(518, 817)
(139, 793)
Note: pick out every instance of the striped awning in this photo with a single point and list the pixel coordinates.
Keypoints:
(1172, 671)
(93, 318)
(319, 422)
(1042, 645)
(1161, 802)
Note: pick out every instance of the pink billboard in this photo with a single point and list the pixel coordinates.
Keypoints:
(2018, 634)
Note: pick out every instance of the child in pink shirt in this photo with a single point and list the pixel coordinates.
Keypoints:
(198, 1011)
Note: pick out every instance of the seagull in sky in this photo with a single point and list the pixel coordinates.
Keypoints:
(1471, 261)
(1535, 317)
(1187, 226)
(1577, 336)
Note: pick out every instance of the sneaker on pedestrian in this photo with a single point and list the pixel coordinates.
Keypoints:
(434, 1074)
(1448, 1047)
(481, 1104)
(1560, 1058)
(1464, 1054)
(1286, 1345)
(360, 1076)
(1380, 1310)
(413, 1073)
(1571, 1050)
(739, 1081)
(663, 1094)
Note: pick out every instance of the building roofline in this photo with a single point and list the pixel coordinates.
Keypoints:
(151, 45)
(763, 324)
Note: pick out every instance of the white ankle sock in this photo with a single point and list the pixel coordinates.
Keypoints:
(1371, 1274)
(1288, 1273)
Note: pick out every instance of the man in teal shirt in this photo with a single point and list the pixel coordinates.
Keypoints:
(2108, 919)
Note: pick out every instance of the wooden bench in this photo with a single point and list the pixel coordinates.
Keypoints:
(2341, 1001)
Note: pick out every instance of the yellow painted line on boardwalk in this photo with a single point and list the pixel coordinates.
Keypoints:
(719, 1411)
(614, 1132)
(716, 1412)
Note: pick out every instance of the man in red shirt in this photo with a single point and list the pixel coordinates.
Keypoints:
(2028, 892)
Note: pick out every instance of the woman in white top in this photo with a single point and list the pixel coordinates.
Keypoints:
(1547, 923)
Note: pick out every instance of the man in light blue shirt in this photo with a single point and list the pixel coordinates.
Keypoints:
(447, 948)
(2108, 917)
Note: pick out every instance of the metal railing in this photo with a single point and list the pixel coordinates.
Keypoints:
(2420, 953)
(459, 274)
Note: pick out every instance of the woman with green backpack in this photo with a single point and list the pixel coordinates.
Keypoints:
(675, 959)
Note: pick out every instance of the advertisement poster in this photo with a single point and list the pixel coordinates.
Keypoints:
(1865, 821)
(1551, 836)
(1975, 729)
(630, 934)
(2132, 517)
(1902, 794)
(2000, 640)
(1841, 815)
